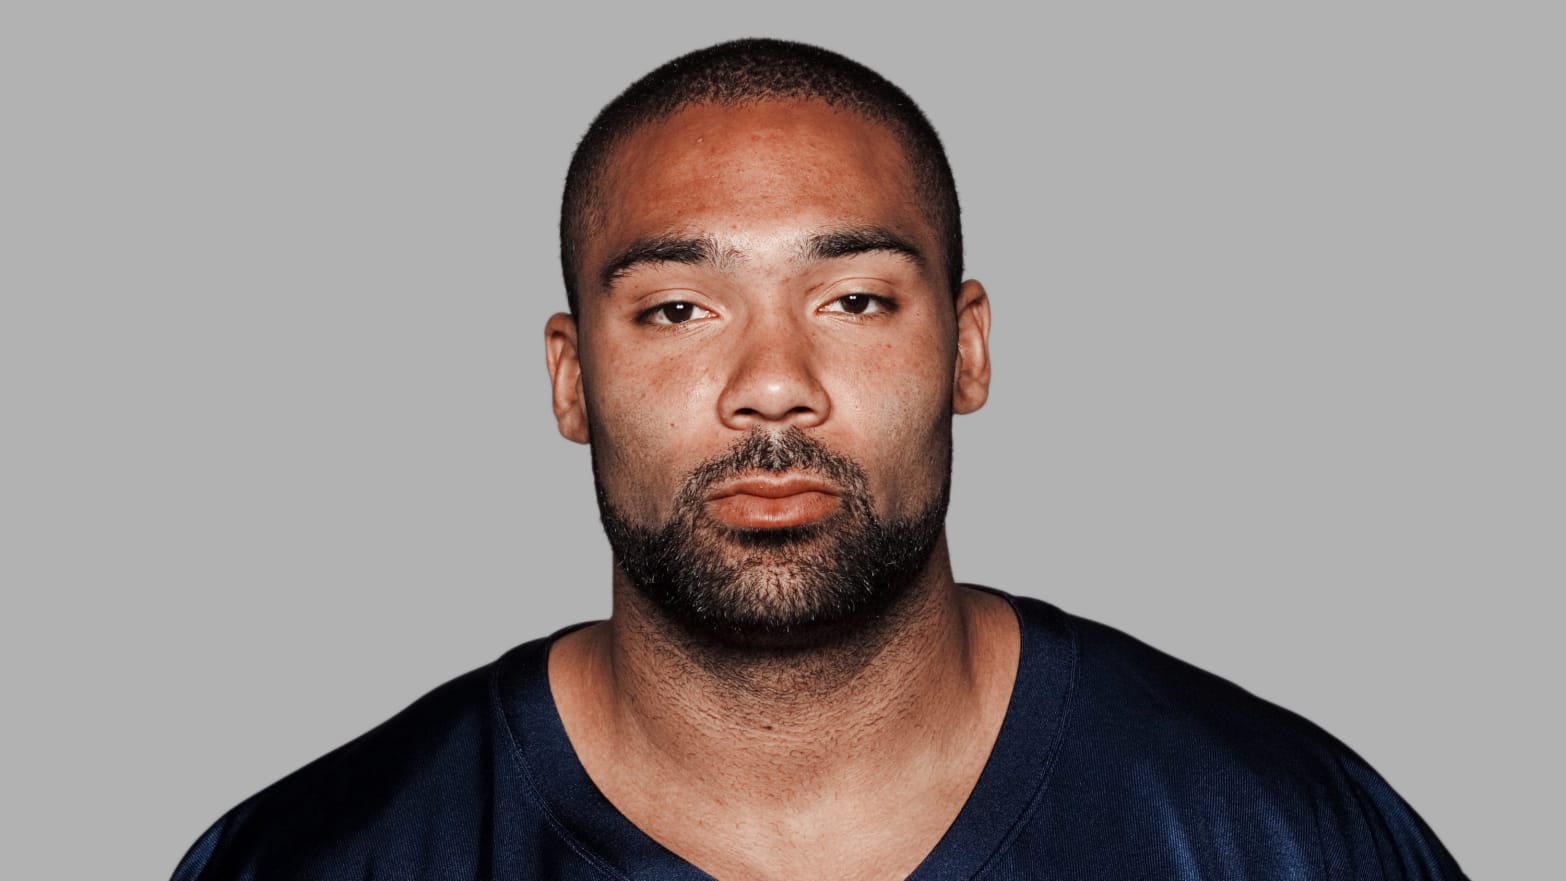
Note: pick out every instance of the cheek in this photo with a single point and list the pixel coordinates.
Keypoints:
(906, 418)
(642, 417)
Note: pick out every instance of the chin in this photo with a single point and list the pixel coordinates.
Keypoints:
(789, 590)
(784, 608)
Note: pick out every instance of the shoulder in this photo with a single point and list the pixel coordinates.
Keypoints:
(1148, 710)
(1123, 678)
(367, 801)
(1171, 712)
(1162, 744)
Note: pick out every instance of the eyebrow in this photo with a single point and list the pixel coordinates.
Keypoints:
(692, 251)
(658, 249)
(856, 240)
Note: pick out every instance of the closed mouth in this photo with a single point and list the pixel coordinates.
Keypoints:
(773, 501)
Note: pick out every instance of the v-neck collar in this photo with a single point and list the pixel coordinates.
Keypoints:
(1001, 802)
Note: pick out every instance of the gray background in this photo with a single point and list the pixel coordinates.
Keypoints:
(1277, 372)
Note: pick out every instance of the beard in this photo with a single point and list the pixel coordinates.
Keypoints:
(785, 589)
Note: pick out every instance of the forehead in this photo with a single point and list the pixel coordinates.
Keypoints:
(775, 168)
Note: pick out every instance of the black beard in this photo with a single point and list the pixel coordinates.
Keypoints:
(783, 590)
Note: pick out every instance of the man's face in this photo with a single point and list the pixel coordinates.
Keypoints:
(766, 360)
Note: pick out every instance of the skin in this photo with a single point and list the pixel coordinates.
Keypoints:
(848, 761)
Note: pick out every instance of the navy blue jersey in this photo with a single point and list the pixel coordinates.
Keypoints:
(1115, 761)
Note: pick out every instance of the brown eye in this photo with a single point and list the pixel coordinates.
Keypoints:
(860, 304)
(855, 303)
(674, 313)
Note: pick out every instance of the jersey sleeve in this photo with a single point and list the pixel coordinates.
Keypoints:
(1369, 833)
(193, 866)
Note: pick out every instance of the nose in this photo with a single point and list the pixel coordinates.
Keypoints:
(773, 379)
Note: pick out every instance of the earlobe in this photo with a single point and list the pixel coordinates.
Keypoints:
(562, 358)
(971, 379)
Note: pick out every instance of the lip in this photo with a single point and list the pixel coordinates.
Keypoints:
(773, 501)
(772, 486)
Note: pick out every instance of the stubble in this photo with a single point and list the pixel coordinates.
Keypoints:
(749, 594)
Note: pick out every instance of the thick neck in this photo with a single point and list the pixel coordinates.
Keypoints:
(916, 689)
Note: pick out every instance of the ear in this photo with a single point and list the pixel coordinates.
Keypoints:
(562, 358)
(971, 380)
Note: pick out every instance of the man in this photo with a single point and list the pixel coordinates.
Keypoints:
(768, 336)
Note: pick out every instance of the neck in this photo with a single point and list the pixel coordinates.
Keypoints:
(913, 687)
(653, 653)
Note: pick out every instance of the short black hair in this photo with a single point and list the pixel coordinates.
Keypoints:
(746, 71)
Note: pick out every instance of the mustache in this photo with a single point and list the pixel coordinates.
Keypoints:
(776, 452)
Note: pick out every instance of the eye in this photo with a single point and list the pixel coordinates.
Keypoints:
(674, 313)
(861, 304)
